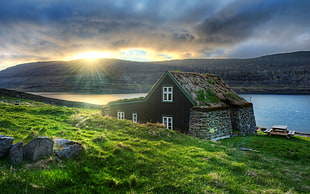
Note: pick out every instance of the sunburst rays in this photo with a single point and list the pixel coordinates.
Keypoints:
(89, 76)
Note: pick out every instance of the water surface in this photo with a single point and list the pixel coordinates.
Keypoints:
(290, 110)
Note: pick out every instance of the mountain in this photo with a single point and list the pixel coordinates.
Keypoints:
(279, 73)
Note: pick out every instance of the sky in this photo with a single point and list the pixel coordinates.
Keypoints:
(150, 30)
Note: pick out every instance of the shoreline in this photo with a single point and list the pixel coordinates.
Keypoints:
(47, 100)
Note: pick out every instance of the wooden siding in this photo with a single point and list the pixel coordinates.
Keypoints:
(179, 108)
(129, 108)
(153, 108)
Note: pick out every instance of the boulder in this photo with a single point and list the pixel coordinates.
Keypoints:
(38, 148)
(5, 145)
(16, 153)
(66, 148)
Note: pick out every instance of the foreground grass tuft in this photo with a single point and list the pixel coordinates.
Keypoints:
(122, 157)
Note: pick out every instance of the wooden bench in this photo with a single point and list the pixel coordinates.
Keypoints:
(291, 133)
(267, 130)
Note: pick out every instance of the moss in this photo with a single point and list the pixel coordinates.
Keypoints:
(211, 81)
(127, 100)
(207, 96)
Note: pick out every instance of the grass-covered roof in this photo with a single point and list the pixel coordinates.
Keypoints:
(207, 90)
(203, 90)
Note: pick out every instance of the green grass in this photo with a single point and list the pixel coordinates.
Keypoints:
(207, 96)
(122, 157)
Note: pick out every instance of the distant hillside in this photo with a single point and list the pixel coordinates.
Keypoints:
(279, 73)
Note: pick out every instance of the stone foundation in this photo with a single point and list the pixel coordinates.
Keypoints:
(217, 124)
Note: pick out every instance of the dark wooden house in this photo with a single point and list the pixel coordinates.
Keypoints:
(199, 104)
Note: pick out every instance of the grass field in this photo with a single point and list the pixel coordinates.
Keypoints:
(122, 157)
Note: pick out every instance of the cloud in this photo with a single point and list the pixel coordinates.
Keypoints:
(232, 23)
(240, 20)
(56, 29)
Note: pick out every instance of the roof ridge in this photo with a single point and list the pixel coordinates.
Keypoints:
(195, 73)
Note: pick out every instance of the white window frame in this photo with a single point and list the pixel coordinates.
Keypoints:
(121, 115)
(135, 117)
(167, 94)
(168, 122)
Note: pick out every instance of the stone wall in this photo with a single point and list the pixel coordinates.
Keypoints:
(243, 120)
(213, 124)
(219, 123)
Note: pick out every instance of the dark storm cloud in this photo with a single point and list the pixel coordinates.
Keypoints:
(242, 19)
(231, 24)
(104, 16)
(202, 28)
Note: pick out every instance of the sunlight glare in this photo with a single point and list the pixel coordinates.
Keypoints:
(131, 54)
(94, 55)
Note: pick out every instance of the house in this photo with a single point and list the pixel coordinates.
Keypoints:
(201, 105)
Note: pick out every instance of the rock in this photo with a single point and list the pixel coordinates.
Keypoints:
(60, 142)
(5, 145)
(70, 151)
(38, 148)
(16, 153)
(66, 148)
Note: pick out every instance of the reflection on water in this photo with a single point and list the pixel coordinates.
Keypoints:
(99, 99)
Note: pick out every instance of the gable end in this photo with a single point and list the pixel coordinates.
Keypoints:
(158, 83)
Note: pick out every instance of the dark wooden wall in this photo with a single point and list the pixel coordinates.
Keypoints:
(129, 108)
(153, 108)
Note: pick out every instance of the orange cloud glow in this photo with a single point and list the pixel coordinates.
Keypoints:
(133, 54)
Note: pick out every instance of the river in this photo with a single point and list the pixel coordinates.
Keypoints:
(290, 110)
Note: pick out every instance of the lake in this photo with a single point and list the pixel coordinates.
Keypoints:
(290, 110)
(99, 99)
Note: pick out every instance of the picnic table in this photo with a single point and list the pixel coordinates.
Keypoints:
(280, 130)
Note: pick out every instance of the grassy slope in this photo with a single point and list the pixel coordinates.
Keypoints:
(123, 157)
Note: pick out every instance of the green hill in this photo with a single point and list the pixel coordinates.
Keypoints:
(122, 157)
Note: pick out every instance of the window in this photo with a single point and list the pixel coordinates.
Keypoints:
(167, 94)
(134, 117)
(120, 115)
(168, 122)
